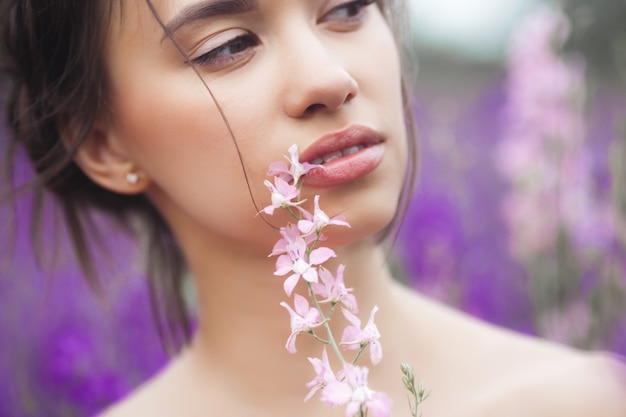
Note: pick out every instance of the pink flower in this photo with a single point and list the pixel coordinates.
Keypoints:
(543, 152)
(282, 194)
(336, 393)
(323, 374)
(295, 260)
(303, 319)
(295, 170)
(319, 220)
(353, 392)
(300, 257)
(332, 289)
(353, 337)
(291, 235)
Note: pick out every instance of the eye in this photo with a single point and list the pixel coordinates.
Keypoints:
(226, 49)
(348, 14)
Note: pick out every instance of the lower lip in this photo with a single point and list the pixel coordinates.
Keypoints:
(347, 168)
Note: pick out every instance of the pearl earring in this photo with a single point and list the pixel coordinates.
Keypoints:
(132, 178)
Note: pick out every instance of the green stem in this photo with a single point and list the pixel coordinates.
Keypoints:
(331, 338)
(358, 355)
(319, 339)
(332, 310)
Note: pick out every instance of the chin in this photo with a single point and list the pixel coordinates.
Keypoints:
(367, 221)
(369, 205)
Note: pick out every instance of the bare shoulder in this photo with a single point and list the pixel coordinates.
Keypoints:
(153, 398)
(143, 401)
(493, 371)
(580, 385)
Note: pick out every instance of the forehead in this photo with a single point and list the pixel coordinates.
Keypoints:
(135, 28)
(165, 9)
(134, 13)
(133, 19)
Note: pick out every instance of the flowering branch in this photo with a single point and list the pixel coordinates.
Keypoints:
(419, 394)
(300, 257)
(563, 208)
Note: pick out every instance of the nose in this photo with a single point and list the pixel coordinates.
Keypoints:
(316, 79)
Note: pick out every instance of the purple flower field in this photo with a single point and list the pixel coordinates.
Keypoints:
(519, 218)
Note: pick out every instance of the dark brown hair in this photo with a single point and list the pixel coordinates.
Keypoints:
(52, 53)
(58, 84)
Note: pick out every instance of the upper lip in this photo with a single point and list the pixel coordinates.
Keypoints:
(328, 143)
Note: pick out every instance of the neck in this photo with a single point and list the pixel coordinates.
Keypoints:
(242, 325)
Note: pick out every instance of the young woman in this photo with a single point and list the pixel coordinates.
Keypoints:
(166, 115)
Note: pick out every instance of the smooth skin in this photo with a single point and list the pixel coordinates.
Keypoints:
(284, 72)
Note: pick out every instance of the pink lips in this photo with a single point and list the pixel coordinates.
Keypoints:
(343, 156)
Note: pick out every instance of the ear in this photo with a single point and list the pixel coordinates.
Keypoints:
(103, 159)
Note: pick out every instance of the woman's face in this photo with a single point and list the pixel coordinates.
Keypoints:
(322, 74)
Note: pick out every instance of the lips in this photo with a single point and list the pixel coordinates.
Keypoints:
(324, 159)
(343, 156)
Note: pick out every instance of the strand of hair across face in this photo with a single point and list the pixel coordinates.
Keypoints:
(217, 105)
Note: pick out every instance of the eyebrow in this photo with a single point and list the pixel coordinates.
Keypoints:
(207, 9)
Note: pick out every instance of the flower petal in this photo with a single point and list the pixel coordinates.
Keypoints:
(336, 393)
(284, 265)
(290, 283)
(310, 275)
(354, 320)
(376, 352)
(291, 342)
(301, 304)
(305, 226)
(380, 404)
(321, 255)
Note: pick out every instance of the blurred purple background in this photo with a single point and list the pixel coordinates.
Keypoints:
(519, 219)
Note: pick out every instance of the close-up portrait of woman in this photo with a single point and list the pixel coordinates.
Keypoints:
(252, 207)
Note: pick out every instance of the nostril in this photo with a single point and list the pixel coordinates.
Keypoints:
(320, 106)
(328, 92)
(314, 107)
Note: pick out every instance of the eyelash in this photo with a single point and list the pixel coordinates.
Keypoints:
(243, 42)
(216, 57)
(356, 6)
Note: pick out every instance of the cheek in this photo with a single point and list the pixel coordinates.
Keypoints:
(386, 92)
(170, 131)
(177, 137)
(380, 78)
